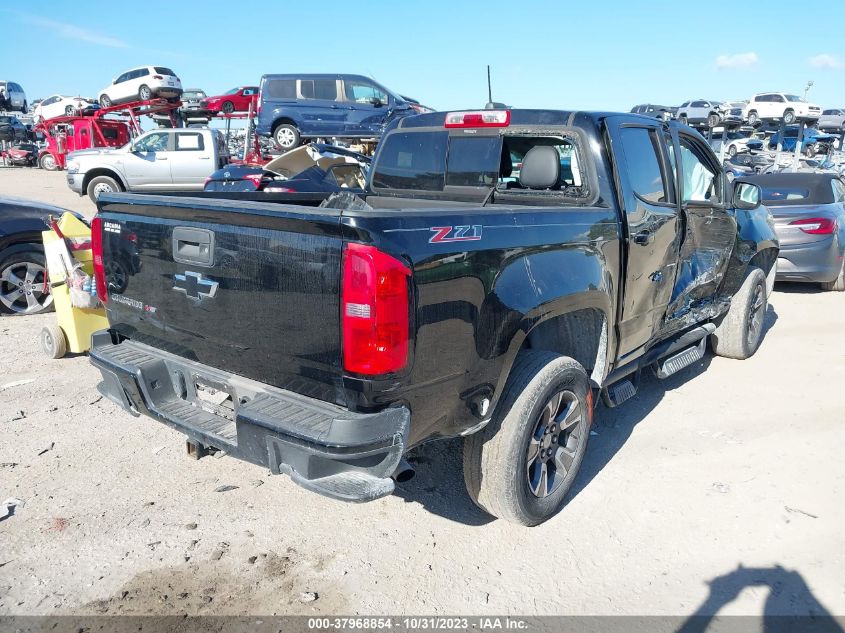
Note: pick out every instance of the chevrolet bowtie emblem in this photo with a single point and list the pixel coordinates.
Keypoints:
(195, 286)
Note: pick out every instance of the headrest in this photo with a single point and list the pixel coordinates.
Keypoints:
(540, 168)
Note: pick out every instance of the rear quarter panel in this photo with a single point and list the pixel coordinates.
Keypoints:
(477, 300)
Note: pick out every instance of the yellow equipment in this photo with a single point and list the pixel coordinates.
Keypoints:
(74, 326)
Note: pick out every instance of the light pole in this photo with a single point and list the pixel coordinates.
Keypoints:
(807, 88)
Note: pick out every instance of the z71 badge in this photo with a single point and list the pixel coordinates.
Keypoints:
(467, 233)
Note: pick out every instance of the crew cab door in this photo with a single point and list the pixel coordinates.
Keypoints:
(708, 228)
(652, 227)
(192, 160)
(147, 163)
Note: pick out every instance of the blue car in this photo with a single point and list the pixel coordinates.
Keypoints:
(297, 107)
(812, 143)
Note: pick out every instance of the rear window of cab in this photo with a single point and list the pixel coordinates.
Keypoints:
(432, 161)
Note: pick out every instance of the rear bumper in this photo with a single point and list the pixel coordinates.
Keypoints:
(815, 262)
(323, 447)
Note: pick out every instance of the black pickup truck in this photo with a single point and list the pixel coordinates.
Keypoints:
(505, 269)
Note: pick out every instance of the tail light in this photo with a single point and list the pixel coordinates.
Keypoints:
(97, 252)
(478, 118)
(375, 311)
(255, 178)
(815, 226)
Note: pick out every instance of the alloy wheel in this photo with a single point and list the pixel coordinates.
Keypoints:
(285, 138)
(756, 314)
(554, 443)
(22, 288)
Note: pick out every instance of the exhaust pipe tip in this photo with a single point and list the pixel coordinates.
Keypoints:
(404, 472)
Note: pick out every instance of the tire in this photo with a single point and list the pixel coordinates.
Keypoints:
(838, 284)
(789, 117)
(105, 102)
(287, 136)
(732, 151)
(22, 278)
(227, 108)
(102, 184)
(683, 119)
(501, 477)
(810, 150)
(145, 93)
(713, 120)
(741, 330)
(47, 162)
(70, 110)
(53, 342)
(753, 117)
(770, 279)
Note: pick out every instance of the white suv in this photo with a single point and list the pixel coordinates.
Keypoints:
(141, 84)
(779, 105)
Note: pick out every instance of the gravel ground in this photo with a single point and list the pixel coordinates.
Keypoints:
(717, 490)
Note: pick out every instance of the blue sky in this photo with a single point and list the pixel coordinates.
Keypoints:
(604, 54)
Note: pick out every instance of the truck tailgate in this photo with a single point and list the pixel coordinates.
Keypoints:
(246, 287)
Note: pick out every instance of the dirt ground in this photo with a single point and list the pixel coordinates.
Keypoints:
(718, 490)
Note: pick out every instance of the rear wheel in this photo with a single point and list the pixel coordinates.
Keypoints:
(522, 464)
(683, 119)
(789, 117)
(838, 284)
(145, 93)
(228, 107)
(101, 185)
(287, 136)
(105, 102)
(753, 117)
(741, 330)
(22, 284)
(53, 342)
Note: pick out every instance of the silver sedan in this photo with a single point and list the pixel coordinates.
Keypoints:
(809, 215)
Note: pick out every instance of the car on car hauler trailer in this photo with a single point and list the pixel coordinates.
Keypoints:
(506, 268)
(74, 133)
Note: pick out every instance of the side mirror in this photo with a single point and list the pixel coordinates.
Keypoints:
(746, 195)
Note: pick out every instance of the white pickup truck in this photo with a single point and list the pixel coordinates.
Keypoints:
(177, 159)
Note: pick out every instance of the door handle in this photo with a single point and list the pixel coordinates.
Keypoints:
(161, 157)
(205, 158)
(644, 238)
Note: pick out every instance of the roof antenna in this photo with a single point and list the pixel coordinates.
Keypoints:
(492, 105)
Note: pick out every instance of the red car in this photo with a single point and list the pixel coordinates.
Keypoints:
(236, 100)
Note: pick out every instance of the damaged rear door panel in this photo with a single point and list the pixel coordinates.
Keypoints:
(653, 227)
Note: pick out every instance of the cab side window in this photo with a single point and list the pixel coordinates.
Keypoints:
(642, 151)
(156, 142)
(189, 142)
(700, 179)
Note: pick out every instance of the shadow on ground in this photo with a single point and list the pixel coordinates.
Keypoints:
(439, 481)
(797, 288)
(790, 605)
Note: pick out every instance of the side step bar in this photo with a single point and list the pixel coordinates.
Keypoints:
(617, 393)
(685, 358)
(669, 356)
